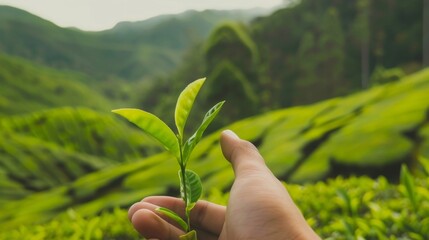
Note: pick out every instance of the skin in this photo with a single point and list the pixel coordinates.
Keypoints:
(259, 206)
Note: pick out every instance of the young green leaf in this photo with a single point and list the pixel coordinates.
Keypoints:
(193, 188)
(184, 104)
(408, 181)
(192, 235)
(344, 196)
(173, 216)
(153, 126)
(424, 165)
(193, 141)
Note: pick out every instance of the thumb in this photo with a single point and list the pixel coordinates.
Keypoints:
(242, 154)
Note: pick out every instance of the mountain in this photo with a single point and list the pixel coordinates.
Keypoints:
(206, 16)
(302, 54)
(128, 51)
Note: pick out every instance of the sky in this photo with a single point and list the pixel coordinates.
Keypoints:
(95, 15)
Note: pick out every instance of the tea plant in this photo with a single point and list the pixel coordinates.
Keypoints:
(190, 183)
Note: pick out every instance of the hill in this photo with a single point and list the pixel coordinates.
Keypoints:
(305, 53)
(129, 51)
(48, 149)
(329, 48)
(371, 133)
(28, 87)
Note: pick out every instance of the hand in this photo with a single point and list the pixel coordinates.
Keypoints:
(259, 206)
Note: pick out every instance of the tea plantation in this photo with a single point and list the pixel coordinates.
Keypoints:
(357, 166)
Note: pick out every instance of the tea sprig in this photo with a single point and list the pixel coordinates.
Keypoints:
(190, 182)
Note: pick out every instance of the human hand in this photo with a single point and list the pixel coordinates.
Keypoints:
(259, 206)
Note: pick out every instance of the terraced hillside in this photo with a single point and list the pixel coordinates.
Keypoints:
(371, 132)
(49, 149)
(27, 87)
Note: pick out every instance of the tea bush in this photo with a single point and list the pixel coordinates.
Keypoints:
(339, 208)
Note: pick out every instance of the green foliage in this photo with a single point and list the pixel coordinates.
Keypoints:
(381, 75)
(298, 55)
(309, 51)
(316, 55)
(424, 133)
(27, 87)
(30, 165)
(43, 151)
(363, 208)
(340, 43)
(232, 60)
(369, 149)
(184, 105)
(71, 225)
(307, 69)
(231, 36)
(331, 53)
(377, 130)
(408, 182)
(301, 144)
(191, 189)
(174, 216)
(196, 137)
(153, 126)
(192, 235)
(346, 208)
(80, 159)
(83, 130)
(229, 83)
(129, 51)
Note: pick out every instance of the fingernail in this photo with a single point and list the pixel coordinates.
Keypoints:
(231, 134)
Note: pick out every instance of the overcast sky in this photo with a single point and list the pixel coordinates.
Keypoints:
(104, 14)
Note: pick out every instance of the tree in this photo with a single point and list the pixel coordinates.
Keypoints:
(331, 54)
(232, 41)
(425, 33)
(361, 32)
(228, 83)
(232, 61)
(305, 89)
(320, 60)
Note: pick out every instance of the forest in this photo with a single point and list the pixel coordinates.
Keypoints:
(334, 94)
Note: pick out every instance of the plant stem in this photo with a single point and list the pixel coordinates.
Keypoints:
(183, 185)
(185, 196)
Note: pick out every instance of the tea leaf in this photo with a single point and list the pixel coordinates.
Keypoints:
(344, 196)
(424, 165)
(192, 235)
(153, 126)
(193, 141)
(173, 216)
(193, 188)
(408, 181)
(184, 104)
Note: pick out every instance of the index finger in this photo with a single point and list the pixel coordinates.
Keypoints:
(205, 215)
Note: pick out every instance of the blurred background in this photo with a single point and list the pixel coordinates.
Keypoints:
(335, 94)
